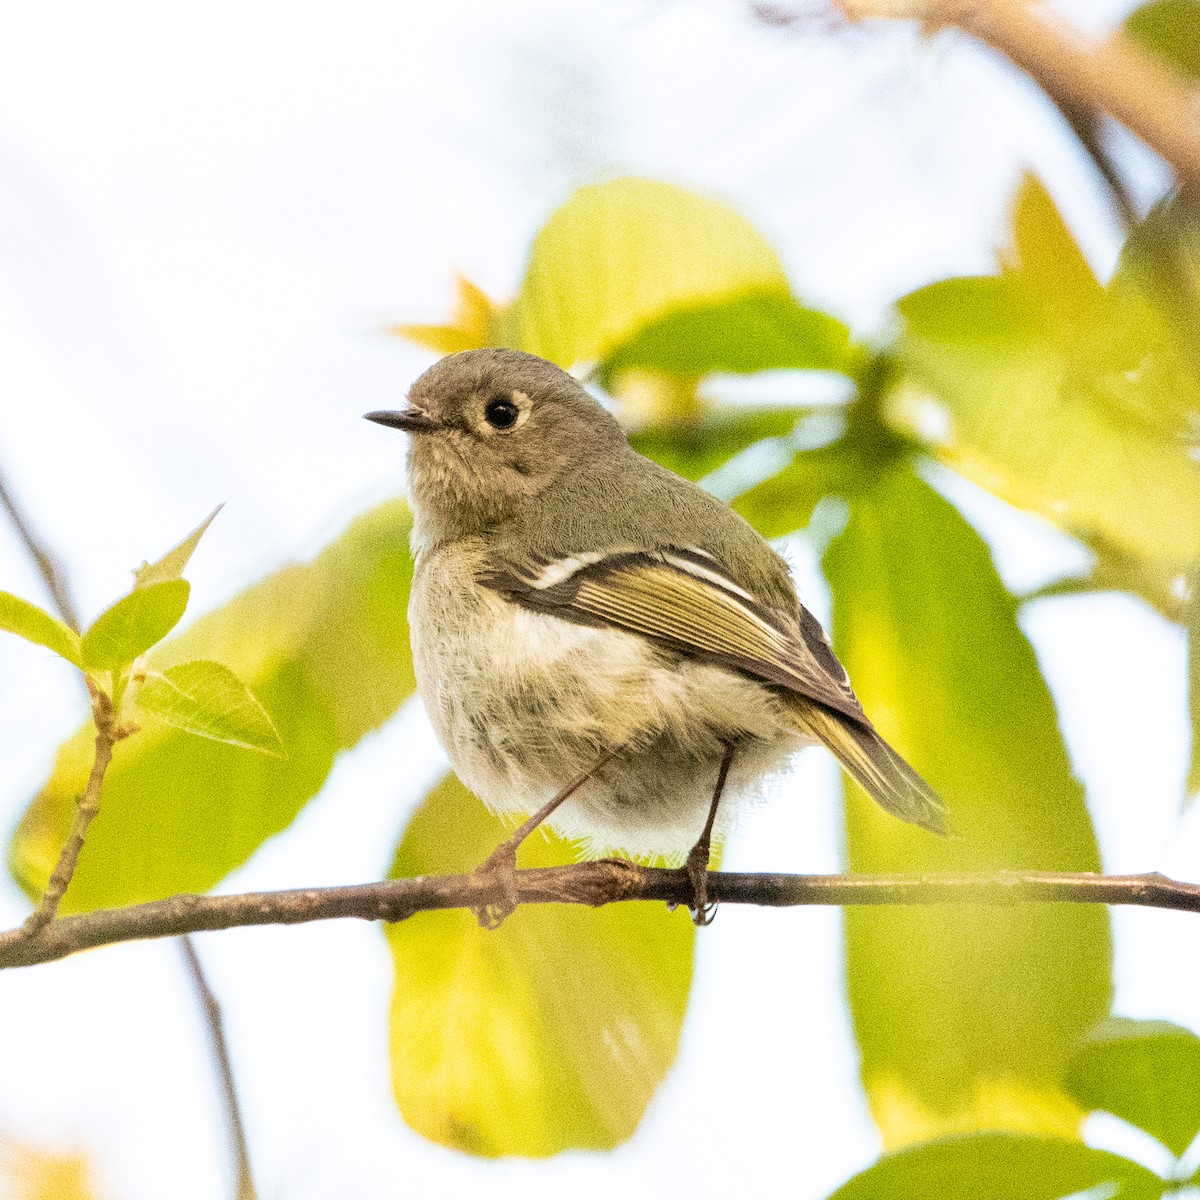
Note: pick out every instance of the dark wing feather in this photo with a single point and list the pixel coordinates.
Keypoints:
(683, 599)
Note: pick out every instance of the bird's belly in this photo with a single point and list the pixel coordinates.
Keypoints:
(525, 702)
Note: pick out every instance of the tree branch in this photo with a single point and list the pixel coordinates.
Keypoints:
(108, 733)
(47, 565)
(211, 1009)
(607, 881)
(1116, 76)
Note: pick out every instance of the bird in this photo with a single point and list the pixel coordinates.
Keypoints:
(600, 642)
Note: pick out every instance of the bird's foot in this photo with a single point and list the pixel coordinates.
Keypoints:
(696, 867)
(497, 875)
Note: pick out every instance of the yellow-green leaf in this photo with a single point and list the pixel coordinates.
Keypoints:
(964, 1015)
(1169, 29)
(1146, 1073)
(620, 255)
(754, 331)
(35, 625)
(474, 324)
(135, 623)
(784, 502)
(1059, 397)
(1000, 1166)
(324, 646)
(172, 564)
(548, 1034)
(1193, 636)
(209, 700)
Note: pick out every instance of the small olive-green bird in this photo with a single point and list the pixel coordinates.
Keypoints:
(597, 638)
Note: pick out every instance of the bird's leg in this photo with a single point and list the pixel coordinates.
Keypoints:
(500, 867)
(697, 859)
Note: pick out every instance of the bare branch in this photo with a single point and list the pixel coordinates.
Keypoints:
(211, 1009)
(1115, 76)
(607, 881)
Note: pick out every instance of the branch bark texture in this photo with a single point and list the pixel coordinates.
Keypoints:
(607, 881)
(1115, 76)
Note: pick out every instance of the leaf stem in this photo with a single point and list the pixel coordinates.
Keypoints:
(607, 881)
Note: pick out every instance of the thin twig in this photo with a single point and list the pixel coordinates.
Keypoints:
(607, 881)
(1086, 124)
(108, 733)
(47, 565)
(220, 1052)
(1115, 76)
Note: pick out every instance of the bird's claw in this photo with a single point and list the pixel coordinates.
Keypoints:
(697, 871)
(497, 874)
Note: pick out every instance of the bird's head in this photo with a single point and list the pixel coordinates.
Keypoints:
(492, 430)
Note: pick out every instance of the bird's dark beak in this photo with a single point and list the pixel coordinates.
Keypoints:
(411, 420)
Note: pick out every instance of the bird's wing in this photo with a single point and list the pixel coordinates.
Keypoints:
(683, 598)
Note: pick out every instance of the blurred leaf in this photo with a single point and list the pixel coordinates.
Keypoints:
(652, 398)
(1001, 1166)
(784, 503)
(964, 1014)
(1059, 397)
(324, 646)
(34, 1173)
(1193, 636)
(172, 564)
(1146, 1073)
(1169, 29)
(135, 623)
(35, 625)
(209, 700)
(621, 255)
(550, 1033)
(1155, 298)
(1044, 263)
(697, 448)
(755, 331)
(473, 324)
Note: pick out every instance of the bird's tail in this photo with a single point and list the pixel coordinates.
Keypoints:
(876, 767)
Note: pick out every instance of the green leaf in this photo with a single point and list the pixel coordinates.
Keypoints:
(621, 255)
(550, 1033)
(171, 565)
(135, 623)
(1169, 29)
(1000, 1166)
(36, 625)
(1061, 397)
(964, 1015)
(693, 449)
(209, 700)
(1146, 1073)
(324, 647)
(1193, 636)
(754, 331)
(784, 503)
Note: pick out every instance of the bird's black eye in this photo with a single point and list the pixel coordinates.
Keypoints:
(501, 413)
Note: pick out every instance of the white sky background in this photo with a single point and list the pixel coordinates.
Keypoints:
(206, 214)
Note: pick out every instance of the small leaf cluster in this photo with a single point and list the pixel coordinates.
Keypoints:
(200, 697)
